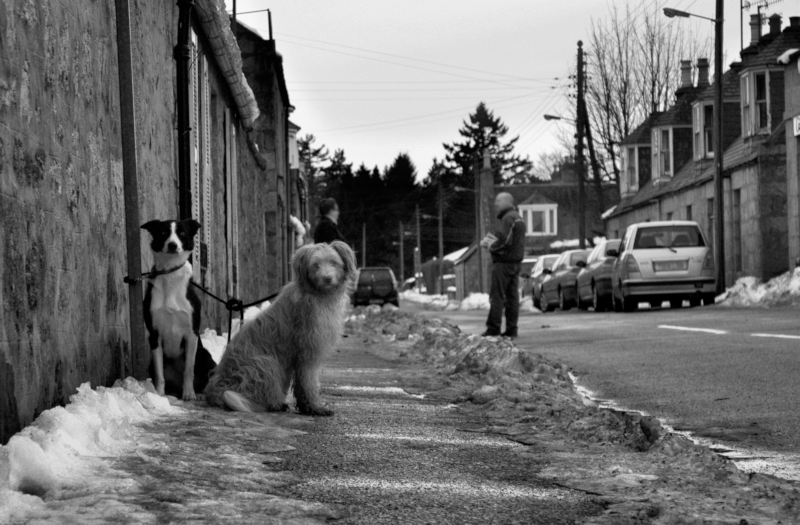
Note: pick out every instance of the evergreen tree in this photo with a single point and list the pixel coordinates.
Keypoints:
(483, 130)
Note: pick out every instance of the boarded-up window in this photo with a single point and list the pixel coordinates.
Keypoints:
(232, 202)
(200, 143)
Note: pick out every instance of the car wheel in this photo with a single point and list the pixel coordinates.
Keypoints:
(563, 304)
(708, 299)
(597, 303)
(675, 303)
(536, 303)
(694, 302)
(617, 305)
(546, 307)
(655, 304)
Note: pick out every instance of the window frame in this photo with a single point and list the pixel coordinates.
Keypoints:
(632, 167)
(659, 154)
(745, 104)
(757, 103)
(549, 219)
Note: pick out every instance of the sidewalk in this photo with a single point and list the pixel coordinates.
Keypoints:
(430, 426)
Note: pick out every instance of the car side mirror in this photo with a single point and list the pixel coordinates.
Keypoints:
(581, 264)
(612, 253)
(547, 271)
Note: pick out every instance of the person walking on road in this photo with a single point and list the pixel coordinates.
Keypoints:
(507, 247)
(327, 230)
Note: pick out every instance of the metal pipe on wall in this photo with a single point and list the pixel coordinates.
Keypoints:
(127, 119)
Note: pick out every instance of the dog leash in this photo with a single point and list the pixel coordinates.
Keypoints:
(153, 273)
(232, 305)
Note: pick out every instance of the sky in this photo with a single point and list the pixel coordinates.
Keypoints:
(381, 77)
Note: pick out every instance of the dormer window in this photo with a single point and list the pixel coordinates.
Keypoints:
(541, 219)
(755, 103)
(662, 152)
(703, 127)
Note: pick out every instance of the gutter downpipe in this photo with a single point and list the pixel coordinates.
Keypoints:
(127, 117)
(183, 56)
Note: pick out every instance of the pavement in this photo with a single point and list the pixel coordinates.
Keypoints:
(726, 374)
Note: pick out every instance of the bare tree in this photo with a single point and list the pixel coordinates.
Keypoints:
(633, 69)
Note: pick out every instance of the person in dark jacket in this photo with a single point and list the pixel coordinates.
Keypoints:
(507, 247)
(326, 230)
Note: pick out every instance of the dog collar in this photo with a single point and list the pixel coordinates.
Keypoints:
(156, 273)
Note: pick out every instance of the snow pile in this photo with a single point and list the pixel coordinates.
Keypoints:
(749, 291)
(61, 449)
(475, 301)
(437, 302)
(526, 305)
(575, 243)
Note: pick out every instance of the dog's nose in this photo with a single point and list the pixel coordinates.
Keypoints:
(327, 279)
(172, 247)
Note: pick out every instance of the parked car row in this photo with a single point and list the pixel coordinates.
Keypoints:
(653, 262)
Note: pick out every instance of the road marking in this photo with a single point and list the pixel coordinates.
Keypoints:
(777, 336)
(691, 329)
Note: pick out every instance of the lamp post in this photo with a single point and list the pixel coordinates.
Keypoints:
(719, 197)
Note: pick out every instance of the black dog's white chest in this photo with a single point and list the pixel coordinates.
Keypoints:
(171, 310)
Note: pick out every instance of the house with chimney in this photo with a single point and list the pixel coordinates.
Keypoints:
(680, 184)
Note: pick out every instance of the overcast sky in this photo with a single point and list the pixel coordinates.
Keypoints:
(379, 77)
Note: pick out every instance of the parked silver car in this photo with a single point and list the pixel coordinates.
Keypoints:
(663, 261)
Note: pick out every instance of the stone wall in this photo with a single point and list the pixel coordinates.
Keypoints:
(64, 306)
(792, 99)
(64, 314)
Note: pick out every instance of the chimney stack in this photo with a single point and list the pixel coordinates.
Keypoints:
(755, 29)
(775, 23)
(686, 74)
(794, 21)
(702, 72)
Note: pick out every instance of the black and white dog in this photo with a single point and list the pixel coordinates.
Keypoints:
(179, 364)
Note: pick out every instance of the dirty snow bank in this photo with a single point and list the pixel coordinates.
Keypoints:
(749, 291)
(435, 302)
(631, 459)
(61, 449)
(475, 301)
(215, 343)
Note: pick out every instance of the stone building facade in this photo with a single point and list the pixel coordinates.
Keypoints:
(64, 306)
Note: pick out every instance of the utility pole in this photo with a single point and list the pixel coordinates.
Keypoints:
(598, 179)
(478, 221)
(579, 150)
(719, 197)
(440, 281)
(363, 244)
(402, 260)
(418, 254)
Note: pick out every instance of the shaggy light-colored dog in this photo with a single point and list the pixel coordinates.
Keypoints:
(287, 342)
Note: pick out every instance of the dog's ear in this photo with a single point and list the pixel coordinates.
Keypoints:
(191, 226)
(301, 260)
(151, 226)
(348, 256)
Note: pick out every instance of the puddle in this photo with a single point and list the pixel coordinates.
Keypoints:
(780, 464)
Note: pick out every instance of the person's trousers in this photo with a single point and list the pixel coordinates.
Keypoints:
(504, 294)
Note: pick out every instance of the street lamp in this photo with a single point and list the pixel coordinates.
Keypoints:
(557, 117)
(719, 197)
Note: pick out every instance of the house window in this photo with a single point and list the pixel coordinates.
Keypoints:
(540, 219)
(708, 130)
(662, 154)
(232, 203)
(737, 230)
(745, 95)
(669, 215)
(633, 178)
(689, 212)
(201, 173)
(762, 115)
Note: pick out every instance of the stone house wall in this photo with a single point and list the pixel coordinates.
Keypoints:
(792, 109)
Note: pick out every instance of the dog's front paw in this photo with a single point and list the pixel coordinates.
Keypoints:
(188, 393)
(160, 390)
(315, 411)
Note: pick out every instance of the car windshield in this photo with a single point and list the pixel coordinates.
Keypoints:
(668, 237)
(612, 245)
(367, 276)
(578, 256)
(549, 261)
